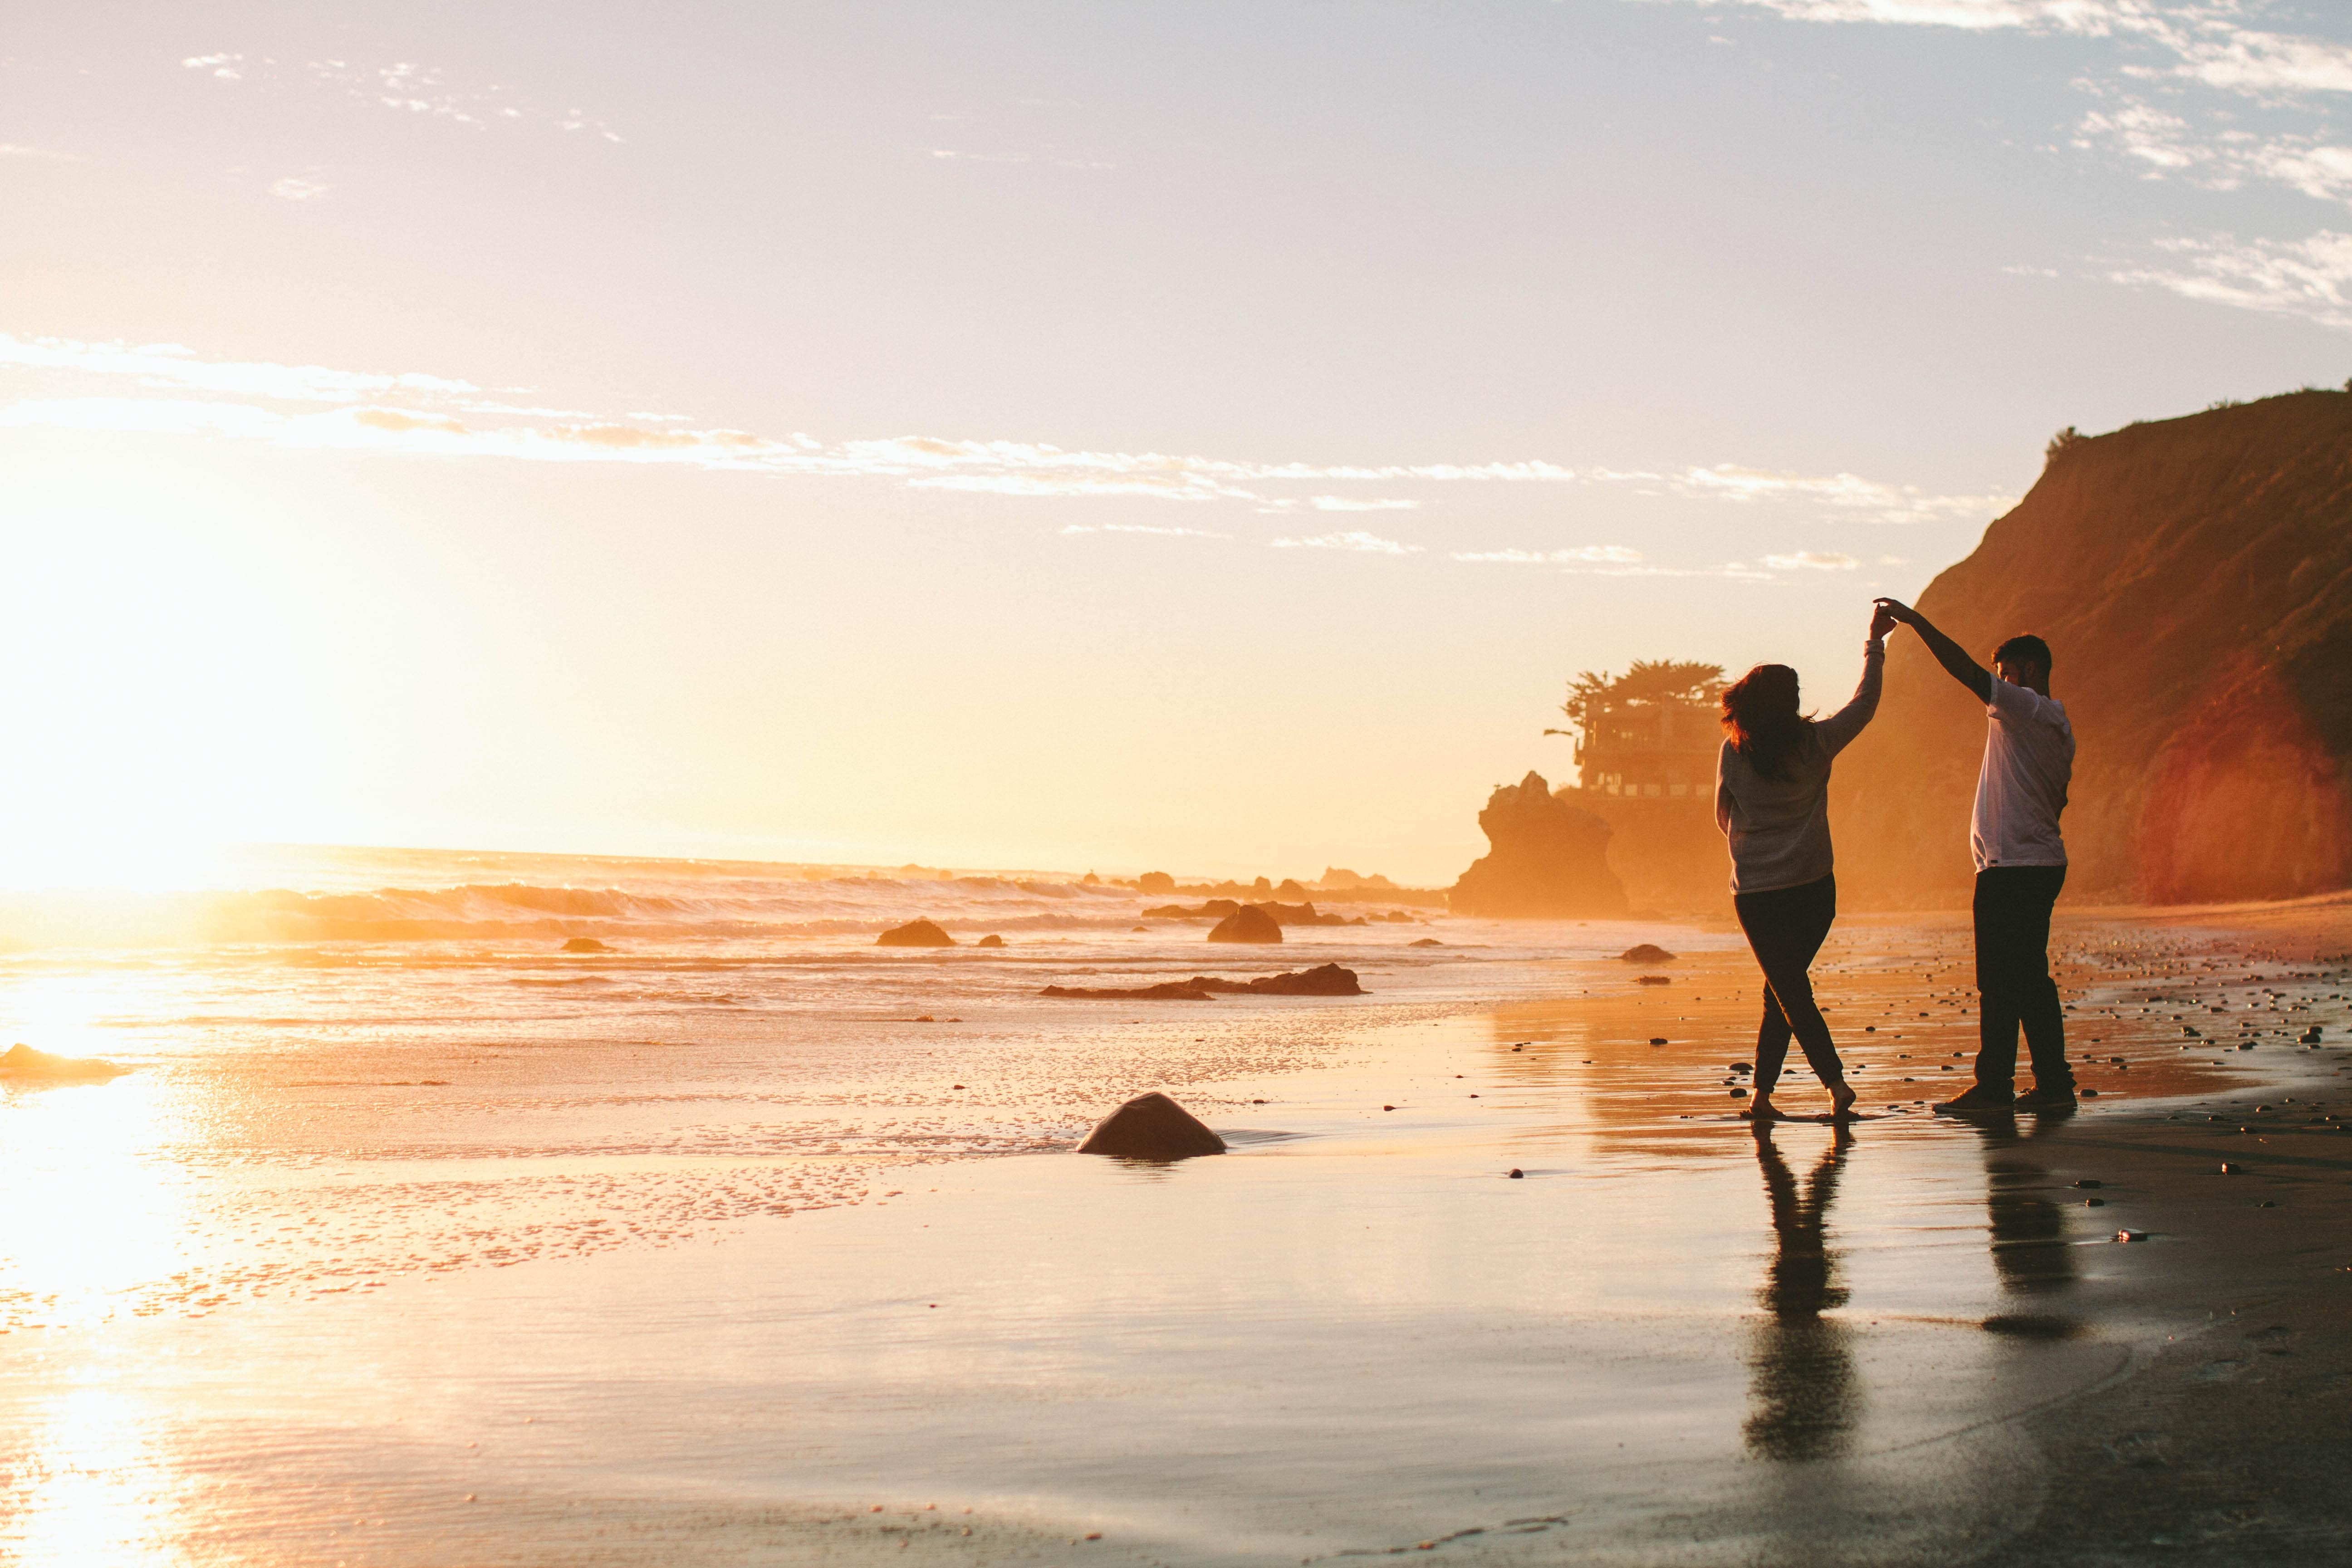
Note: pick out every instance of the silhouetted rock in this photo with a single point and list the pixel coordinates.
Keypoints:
(1425, 941)
(1248, 924)
(991, 940)
(2193, 578)
(915, 933)
(1155, 883)
(1168, 991)
(1550, 859)
(1151, 1127)
(584, 944)
(22, 1064)
(1323, 980)
(1215, 909)
(1647, 953)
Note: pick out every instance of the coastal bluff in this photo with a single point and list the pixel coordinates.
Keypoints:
(2193, 577)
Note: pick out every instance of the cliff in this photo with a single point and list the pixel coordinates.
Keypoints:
(2193, 578)
(1550, 859)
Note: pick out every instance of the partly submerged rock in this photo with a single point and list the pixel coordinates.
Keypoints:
(585, 944)
(991, 940)
(1167, 991)
(1323, 980)
(1151, 1127)
(1248, 924)
(1425, 941)
(1647, 953)
(915, 933)
(22, 1064)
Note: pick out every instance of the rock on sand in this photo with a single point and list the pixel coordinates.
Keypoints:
(1151, 1127)
(915, 933)
(1647, 952)
(1248, 924)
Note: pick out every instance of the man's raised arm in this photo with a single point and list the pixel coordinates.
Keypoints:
(1950, 654)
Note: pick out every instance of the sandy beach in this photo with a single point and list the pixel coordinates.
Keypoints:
(1670, 1341)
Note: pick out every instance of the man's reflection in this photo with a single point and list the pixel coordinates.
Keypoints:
(2030, 1251)
(1802, 1388)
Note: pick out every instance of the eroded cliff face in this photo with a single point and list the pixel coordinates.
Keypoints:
(2193, 578)
(1550, 859)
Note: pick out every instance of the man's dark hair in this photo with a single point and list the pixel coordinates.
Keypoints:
(2026, 646)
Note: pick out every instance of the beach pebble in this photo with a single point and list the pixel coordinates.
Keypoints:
(2131, 1236)
(1740, 1066)
(1739, 1094)
(2230, 1168)
(2088, 1093)
(1388, 1108)
(1517, 1175)
(2090, 1182)
(1657, 1039)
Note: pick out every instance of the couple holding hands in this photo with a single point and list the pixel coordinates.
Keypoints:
(1771, 800)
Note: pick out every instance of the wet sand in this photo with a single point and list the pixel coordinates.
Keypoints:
(1673, 1341)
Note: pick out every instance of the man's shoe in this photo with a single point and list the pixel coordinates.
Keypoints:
(2057, 1100)
(1978, 1099)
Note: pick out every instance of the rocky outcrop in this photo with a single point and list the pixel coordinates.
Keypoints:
(1550, 859)
(1248, 924)
(1151, 1127)
(2193, 578)
(1645, 952)
(915, 933)
(1323, 980)
(584, 944)
(991, 940)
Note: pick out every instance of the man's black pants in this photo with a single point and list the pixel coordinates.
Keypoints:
(2013, 984)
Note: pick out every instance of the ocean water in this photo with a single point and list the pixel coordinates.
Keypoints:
(352, 1066)
(409, 1237)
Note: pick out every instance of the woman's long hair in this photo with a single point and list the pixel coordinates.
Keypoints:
(1760, 716)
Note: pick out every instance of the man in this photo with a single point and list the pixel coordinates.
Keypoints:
(2028, 760)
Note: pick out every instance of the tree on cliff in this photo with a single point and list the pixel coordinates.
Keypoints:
(1651, 729)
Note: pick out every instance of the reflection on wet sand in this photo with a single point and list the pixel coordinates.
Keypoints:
(1803, 1397)
(2030, 1253)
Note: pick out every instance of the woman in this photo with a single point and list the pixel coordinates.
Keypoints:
(1771, 800)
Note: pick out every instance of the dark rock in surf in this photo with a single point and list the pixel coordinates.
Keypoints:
(915, 933)
(585, 944)
(991, 940)
(1248, 924)
(1151, 1127)
(22, 1064)
(1323, 980)
(1425, 941)
(1647, 952)
(1167, 991)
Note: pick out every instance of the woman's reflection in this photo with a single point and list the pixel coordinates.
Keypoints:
(1801, 1388)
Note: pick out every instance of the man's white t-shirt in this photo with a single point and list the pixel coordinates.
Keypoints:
(2028, 760)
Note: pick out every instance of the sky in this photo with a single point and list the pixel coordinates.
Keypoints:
(1204, 437)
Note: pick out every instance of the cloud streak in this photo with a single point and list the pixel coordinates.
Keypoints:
(403, 87)
(444, 417)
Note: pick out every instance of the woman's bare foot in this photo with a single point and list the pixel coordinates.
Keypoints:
(1841, 1101)
(1762, 1110)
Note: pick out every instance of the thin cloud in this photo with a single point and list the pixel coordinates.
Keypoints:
(403, 87)
(18, 150)
(445, 416)
(1353, 539)
(1813, 561)
(1616, 554)
(293, 190)
(1144, 528)
(2310, 279)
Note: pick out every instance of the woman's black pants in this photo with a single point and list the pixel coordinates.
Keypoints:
(1785, 928)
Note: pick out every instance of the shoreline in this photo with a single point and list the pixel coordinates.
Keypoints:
(1674, 1340)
